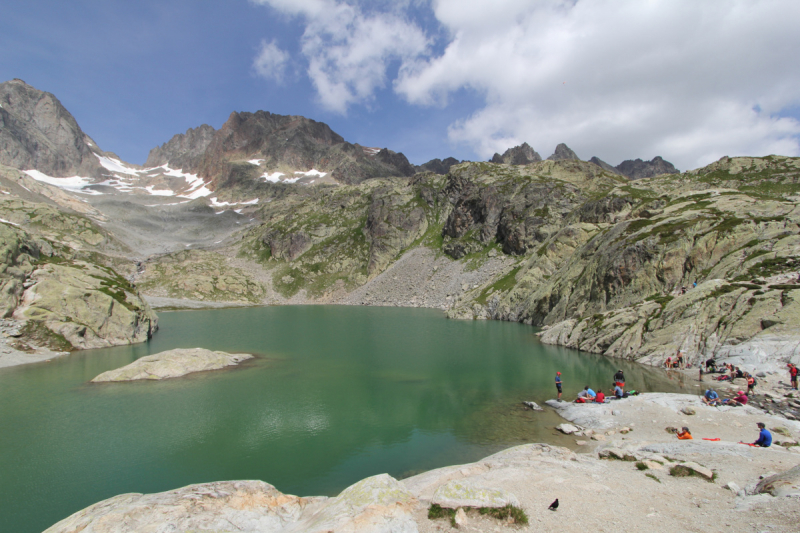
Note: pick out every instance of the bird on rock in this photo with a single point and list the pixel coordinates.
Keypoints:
(554, 505)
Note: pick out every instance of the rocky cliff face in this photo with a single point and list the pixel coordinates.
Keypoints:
(609, 278)
(184, 150)
(37, 132)
(438, 166)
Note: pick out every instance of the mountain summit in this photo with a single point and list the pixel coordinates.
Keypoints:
(37, 132)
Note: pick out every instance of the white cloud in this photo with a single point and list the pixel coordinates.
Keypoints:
(348, 50)
(690, 81)
(270, 63)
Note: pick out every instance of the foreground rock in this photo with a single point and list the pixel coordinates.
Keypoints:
(376, 504)
(455, 494)
(173, 364)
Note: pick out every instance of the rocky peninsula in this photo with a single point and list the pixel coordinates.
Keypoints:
(173, 364)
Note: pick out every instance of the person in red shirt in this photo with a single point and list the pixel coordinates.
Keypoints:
(740, 399)
(601, 397)
(793, 375)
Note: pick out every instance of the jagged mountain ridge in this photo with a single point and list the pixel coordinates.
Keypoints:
(632, 168)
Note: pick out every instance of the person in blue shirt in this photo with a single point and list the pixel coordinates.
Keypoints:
(711, 397)
(764, 436)
(558, 384)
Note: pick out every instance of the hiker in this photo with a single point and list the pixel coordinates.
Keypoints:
(711, 365)
(678, 360)
(600, 397)
(793, 375)
(618, 392)
(751, 383)
(711, 397)
(684, 434)
(668, 362)
(558, 384)
(740, 399)
(619, 378)
(586, 395)
(736, 372)
(764, 436)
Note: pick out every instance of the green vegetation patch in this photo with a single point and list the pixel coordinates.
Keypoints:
(43, 336)
(661, 300)
(504, 513)
(653, 477)
(503, 284)
(641, 466)
(775, 265)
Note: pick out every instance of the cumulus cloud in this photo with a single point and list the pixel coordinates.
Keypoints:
(270, 62)
(690, 81)
(348, 49)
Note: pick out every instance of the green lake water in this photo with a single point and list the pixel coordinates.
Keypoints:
(336, 394)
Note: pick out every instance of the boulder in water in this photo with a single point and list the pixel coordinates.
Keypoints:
(173, 364)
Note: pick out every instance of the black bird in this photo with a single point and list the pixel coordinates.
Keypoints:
(554, 505)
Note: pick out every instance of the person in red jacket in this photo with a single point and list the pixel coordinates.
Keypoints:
(793, 375)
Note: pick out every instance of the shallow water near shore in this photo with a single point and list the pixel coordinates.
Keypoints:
(336, 394)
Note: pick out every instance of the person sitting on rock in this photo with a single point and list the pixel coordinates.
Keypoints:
(618, 392)
(764, 436)
(600, 397)
(711, 397)
(684, 434)
(736, 372)
(740, 399)
(711, 365)
(586, 395)
(668, 362)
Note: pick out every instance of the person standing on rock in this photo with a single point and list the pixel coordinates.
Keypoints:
(558, 384)
(793, 375)
(619, 379)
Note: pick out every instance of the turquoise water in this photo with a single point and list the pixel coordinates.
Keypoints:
(336, 394)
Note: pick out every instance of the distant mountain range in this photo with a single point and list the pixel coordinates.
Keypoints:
(632, 168)
(38, 133)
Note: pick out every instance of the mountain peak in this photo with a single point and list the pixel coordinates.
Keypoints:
(39, 133)
(562, 153)
(518, 155)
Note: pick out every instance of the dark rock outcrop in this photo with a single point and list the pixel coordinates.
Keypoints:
(518, 155)
(563, 152)
(183, 150)
(602, 164)
(636, 168)
(37, 132)
(438, 166)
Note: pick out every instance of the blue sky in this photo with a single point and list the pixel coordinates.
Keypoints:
(432, 79)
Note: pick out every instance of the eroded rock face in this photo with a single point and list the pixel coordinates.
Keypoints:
(68, 303)
(37, 132)
(173, 364)
(183, 150)
(783, 484)
(563, 152)
(379, 504)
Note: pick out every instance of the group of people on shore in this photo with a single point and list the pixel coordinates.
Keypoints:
(587, 395)
(710, 397)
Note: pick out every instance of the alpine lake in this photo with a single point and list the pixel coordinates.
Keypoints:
(335, 394)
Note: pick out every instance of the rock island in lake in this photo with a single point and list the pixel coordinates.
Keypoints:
(173, 364)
